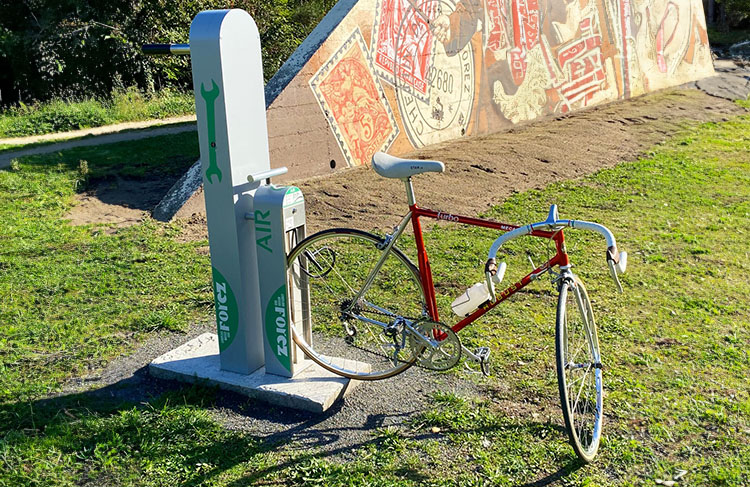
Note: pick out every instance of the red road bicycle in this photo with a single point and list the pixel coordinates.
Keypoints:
(367, 312)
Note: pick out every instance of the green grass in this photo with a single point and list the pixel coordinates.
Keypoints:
(73, 297)
(728, 38)
(675, 345)
(64, 115)
(144, 159)
(5, 148)
(22, 147)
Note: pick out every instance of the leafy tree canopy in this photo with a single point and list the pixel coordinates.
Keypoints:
(84, 48)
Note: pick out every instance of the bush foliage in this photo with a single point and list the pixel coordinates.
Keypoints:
(87, 48)
(739, 9)
(725, 15)
(58, 115)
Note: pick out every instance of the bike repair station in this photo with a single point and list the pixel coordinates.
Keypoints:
(252, 224)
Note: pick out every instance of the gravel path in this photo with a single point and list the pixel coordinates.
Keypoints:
(96, 136)
(347, 425)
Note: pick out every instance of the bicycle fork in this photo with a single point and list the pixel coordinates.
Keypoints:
(588, 324)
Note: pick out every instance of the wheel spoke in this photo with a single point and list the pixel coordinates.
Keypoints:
(580, 348)
(578, 374)
(580, 390)
(341, 278)
(344, 335)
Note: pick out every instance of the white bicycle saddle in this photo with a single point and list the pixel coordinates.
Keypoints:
(397, 168)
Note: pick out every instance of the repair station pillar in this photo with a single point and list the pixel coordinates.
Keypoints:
(226, 58)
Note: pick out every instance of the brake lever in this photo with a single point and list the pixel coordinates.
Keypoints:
(613, 274)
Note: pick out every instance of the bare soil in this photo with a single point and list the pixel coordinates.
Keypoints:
(483, 171)
(122, 202)
(480, 171)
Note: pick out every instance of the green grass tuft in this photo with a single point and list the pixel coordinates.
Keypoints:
(73, 297)
(65, 115)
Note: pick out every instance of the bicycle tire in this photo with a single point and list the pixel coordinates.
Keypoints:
(332, 266)
(579, 361)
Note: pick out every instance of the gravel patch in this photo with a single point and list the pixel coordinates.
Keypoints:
(350, 423)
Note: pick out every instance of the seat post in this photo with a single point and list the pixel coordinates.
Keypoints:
(410, 192)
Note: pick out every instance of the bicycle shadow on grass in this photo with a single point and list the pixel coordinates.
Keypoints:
(202, 433)
(143, 421)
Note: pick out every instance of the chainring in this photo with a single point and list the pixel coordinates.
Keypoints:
(445, 351)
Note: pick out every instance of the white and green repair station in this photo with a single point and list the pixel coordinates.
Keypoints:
(251, 225)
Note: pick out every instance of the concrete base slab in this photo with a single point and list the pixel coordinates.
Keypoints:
(313, 389)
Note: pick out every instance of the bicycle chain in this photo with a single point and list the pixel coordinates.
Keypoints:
(414, 362)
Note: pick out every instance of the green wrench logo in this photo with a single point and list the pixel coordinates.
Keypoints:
(210, 98)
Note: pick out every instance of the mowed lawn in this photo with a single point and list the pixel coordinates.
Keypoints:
(675, 345)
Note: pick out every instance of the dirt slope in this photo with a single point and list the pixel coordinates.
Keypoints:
(482, 171)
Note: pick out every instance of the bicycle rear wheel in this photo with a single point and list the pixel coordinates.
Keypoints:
(579, 369)
(331, 267)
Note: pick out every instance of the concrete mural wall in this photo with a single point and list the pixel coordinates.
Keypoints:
(395, 75)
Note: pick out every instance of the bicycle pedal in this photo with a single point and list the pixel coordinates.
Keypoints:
(483, 354)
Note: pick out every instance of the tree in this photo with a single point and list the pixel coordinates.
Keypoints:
(83, 48)
(726, 14)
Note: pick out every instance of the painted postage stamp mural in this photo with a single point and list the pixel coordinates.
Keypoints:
(445, 112)
(403, 43)
(436, 70)
(354, 102)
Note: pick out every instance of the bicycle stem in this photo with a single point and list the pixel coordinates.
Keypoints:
(553, 224)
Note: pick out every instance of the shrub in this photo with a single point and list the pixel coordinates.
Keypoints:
(84, 48)
(60, 115)
(54, 116)
(171, 103)
(129, 104)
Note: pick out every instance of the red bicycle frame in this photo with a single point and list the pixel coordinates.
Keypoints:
(560, 258)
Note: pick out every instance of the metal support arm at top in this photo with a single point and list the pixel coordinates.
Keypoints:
(166, 49)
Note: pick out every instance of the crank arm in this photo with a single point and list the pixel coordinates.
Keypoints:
(433, 344)
(470, 355)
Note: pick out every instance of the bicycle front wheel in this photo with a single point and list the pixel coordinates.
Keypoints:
(366, 339)
(579, 369)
